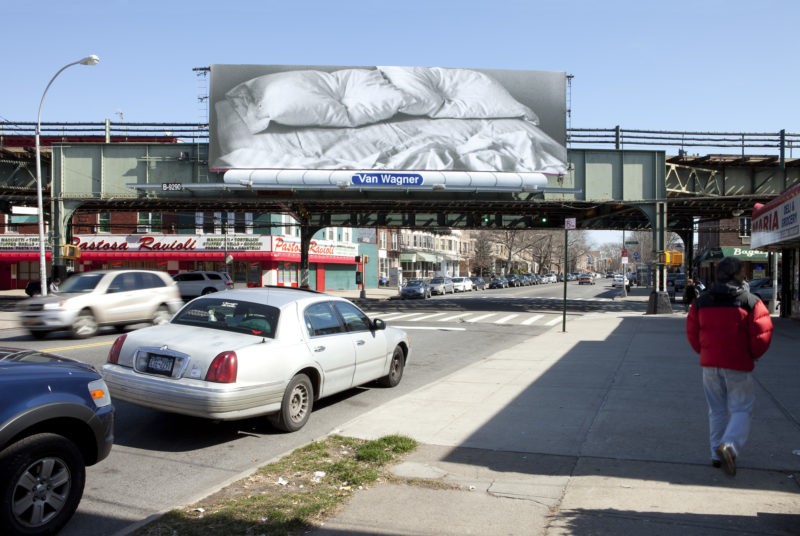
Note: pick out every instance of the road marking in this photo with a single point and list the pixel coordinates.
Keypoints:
(407, 315)
(479, 318)
(531, 320)
(437, 328)
(77, 346)
(505, 319)
(388, 315)
(453, 317)
(420, 319)
(553, 322)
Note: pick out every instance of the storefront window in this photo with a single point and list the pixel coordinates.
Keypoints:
(287, 273)
(104, 222)
(149, 222)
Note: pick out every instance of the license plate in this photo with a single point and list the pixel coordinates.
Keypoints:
(160, 364)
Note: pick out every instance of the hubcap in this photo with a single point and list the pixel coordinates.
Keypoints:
(41, 492)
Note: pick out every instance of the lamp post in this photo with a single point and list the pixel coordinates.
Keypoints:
(88, 60)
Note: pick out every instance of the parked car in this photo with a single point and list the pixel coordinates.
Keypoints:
(200, 283)
(514, 280)
(478, 283)
(619, 281)
(442, 285)
(90, 300)
(415, 288)
(56, 418)
(498, 282)
(270, 351)
(462, 284)
(585, 279)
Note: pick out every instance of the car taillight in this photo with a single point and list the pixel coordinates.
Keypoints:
(223, 369)
(113, 353)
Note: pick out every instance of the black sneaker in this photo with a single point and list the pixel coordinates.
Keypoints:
(716, 463)
(728, 459)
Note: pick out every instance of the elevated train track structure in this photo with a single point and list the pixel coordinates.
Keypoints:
(617, 179)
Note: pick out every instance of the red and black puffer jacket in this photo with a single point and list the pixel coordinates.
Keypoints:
(729, 327)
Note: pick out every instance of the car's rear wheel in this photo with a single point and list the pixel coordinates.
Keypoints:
(298, 401)
(39, 335)
(41, 484)
(395, 369)
(84, 325)
(161, 315)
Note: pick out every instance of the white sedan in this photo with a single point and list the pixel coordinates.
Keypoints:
(264, 351)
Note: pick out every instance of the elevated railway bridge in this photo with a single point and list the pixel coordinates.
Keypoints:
(617, 179)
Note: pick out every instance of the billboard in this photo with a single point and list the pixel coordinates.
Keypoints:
(386, 127)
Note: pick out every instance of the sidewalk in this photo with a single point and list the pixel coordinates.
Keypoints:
(599, 430)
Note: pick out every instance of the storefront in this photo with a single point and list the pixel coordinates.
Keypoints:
(776, 228)
(755, 262)
(254, 260)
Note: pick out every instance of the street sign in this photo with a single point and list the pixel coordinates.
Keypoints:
(634, 242)
(636, 256)
(569, 223)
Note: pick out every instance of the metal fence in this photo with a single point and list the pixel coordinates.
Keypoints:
(779, 143)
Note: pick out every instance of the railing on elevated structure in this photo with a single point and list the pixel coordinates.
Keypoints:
(680, 143)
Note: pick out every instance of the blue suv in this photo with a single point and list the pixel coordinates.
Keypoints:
(56, 418)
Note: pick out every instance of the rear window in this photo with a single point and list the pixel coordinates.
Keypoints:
(215, 277)
(235, 316)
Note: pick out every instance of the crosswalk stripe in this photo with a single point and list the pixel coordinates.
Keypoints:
(553, 322)
(406, 316)
(505, 319)
(447, 319)
(427, 317)
(478, 318)
(531, 320)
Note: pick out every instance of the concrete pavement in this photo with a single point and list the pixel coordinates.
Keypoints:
(601, 429)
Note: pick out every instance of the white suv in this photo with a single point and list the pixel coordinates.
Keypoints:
(88, 300)
(194, 284)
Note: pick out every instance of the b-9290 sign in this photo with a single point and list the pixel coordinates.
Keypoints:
(171, 186)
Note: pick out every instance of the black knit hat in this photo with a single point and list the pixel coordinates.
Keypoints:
(728, 268)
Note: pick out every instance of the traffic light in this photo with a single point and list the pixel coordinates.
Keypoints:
(365, 259)
(543, 220)
(359, 278)
(358, 259)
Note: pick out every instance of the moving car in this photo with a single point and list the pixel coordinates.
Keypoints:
(762, 288)
(416, 288)
(56, 417)
(200, 283)
(585, 279)
(442, 285)
(462, 284)
(244, 353)
(89, 300)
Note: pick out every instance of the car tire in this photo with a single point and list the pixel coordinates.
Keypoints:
(296, 406)
(161, 315)
(84, 325)
(49, 470)
(38, 335)
(207, 291)
(395, 369)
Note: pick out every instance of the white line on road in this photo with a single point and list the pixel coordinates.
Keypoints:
(531, 320)
(420, 319)
(449, 318)
(406, 316)
(437, 328)
(553, 322)
(479, 318)
(505, 319)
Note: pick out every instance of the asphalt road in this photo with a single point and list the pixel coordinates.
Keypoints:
(160, 461)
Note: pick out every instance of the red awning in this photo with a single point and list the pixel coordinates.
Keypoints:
(21, 256)
(98, 256)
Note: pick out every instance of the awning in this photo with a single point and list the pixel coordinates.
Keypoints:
(419, 256)
(744, 254)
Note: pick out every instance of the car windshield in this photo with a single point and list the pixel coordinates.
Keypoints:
(236, 316)
(415, 283)
(81, 283)
(437, 280)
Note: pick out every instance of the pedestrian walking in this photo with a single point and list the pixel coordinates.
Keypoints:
(730, 329)
(689, 293)
(54, 284)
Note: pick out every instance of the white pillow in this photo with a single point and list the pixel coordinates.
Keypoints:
(345, 98)
(456, 93)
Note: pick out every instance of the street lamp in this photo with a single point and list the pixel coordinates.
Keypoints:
(88, 60)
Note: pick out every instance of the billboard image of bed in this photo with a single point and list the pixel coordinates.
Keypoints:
(422, 128)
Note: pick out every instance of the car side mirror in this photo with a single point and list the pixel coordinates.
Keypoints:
(378, 324)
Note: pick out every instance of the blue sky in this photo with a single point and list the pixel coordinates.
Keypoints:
(708, 65)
